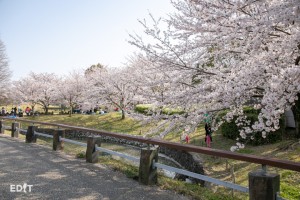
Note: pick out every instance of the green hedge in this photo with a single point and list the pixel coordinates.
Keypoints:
(229, 130)
(145, 108)
(142, 108)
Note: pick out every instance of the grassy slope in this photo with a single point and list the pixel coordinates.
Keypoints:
(109, 122)
(228, 170)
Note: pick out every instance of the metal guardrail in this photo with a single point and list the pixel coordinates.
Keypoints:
(7, 127)
(73, 142)
(22, 131)
(19, 129)
(42, 134)
(129, 157)
(202, 177)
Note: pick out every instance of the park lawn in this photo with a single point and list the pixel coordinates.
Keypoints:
(224, 169)
(111, 122)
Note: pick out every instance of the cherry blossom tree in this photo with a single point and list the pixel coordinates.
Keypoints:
(37, 88)
(153, 83)
(73, 89)
(225, 54)
(46, 88)
(5, 74)
(114, 87)
(26, 89)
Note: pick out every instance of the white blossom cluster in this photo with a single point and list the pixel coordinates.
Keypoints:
(5, 73)
(36, 89)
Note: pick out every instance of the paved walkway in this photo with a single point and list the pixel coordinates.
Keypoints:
(54, 175)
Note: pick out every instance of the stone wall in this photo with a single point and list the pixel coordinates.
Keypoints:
(187, 160)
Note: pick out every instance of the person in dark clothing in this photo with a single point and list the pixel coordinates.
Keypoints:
(3, 111)
(15, 111)
(208, 131)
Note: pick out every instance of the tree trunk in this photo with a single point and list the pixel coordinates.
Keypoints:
(32, 110)
(123, 114)
(71, 111)
(296, 112)
(70, 114)
(46, 110)
(122, 107)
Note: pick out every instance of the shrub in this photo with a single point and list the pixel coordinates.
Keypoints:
(250, 110)
(146, 109)
(142, 108)
(231, 131)
(271, 138)
(168, 111)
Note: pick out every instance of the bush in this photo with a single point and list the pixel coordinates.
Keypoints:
(272, 137)
(168, 111)
(142, 108)
(231, 131)
(250, 110)
(146, 109)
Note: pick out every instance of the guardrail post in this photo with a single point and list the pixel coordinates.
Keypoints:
(1, 126)
(30, 137)
(57, 143)
(263, 185)
(14, 131)
(148, 174)
(91, 153)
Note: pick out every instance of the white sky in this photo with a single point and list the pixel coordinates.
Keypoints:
(60, 35)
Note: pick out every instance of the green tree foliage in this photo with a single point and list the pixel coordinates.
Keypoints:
(94, 68)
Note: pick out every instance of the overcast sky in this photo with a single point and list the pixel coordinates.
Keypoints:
(61, 35)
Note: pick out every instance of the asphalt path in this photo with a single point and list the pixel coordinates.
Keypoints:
(32, 171)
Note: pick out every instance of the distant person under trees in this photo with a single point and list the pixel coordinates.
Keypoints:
(27, 111)
(208, 137)
(3, 111)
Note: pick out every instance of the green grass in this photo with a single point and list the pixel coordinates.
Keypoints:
(223, 169)
(194, 190)
(128, 169)
(145, 108)
(110, 122)
(245, 151)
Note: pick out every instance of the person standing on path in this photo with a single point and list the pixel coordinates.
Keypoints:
(208, 138)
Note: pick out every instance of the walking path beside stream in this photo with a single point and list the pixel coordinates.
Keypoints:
(55, 175)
